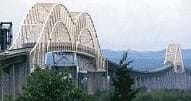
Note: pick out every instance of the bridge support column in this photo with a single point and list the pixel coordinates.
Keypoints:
(13, 78)
(2, 90)
(97, 82)
(13, 81)
(77, 68)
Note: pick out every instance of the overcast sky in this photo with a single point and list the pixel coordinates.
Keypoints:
(122, 24)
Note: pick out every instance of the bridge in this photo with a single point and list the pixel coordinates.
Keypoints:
(52, 28)
(51, 36)
(172, 75)
(51, 33)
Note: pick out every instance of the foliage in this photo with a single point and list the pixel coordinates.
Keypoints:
(163, 96)
(101, 96)
(50, 85)
(8, 98)
(122, 82)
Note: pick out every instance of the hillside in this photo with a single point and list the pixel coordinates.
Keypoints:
(145, 60)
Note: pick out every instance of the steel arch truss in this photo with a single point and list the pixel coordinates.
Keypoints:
(51, 27)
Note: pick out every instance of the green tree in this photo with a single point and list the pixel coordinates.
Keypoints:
(123, 81)
(50, 85)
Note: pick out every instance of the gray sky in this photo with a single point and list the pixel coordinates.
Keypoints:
(122, 24)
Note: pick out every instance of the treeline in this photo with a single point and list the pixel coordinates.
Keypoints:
(164, 95)
(161, 95)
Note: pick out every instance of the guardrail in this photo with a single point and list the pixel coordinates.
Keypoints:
(64, 46)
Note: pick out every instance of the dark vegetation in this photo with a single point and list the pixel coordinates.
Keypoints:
(122, 82)
(163, 95)
(51, 85)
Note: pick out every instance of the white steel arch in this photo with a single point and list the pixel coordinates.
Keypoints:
(85, 38)
(84, 21)
(51, 27)
(60, 36)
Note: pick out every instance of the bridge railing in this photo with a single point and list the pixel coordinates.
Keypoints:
(64, 46)
(29, 45)
(86, 49)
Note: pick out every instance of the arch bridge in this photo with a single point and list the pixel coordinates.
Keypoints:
(51, 28)
(51, 36)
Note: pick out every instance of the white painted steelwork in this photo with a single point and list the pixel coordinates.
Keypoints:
(51, 27)
(174, 56)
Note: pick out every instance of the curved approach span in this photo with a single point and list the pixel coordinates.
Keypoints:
(51, 27)
(173, 61)
(164, 77)
(165, 68)
(172, 75)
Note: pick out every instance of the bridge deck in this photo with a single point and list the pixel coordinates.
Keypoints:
(13, 53)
